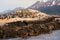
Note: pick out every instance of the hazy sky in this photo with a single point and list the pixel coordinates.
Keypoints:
(11, 4)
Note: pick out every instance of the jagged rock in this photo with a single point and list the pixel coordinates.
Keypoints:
(29, 27)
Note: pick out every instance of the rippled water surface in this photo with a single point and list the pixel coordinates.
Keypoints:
(55, 35)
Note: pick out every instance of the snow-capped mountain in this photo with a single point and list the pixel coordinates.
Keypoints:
(51, 6)
(45, 4)
(55, 2)
(37, 5)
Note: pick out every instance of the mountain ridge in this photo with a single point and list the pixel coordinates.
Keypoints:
(47, 7)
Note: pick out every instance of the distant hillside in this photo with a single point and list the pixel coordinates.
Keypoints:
(9, 11)
(50, 7)
(50, 10)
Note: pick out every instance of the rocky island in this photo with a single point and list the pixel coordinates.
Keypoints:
(26, 23)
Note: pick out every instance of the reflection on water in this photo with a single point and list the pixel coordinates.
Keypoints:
(55, 35)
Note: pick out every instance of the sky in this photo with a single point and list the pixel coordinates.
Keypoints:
(11, 4)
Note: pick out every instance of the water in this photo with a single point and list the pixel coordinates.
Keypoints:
(55, 35)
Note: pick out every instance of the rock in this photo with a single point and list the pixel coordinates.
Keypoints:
(29, 27)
